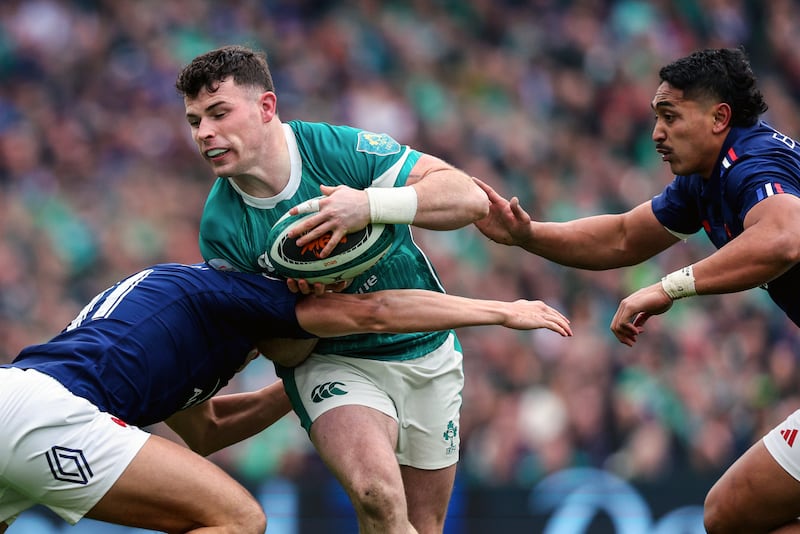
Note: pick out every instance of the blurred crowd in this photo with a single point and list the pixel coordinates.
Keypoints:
(548, 100)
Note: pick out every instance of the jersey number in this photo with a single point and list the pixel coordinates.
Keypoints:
(110, 299)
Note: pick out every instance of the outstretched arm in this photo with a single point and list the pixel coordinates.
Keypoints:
(417, 310)
(447, 198)
(768, 247)
(437, 196)
(227, 419)
(598, 242)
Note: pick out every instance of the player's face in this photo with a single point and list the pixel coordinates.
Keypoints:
(684, 132)
(228, 126)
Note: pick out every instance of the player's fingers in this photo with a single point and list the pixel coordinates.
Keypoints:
(302, 228)
(304, 287)
(560, 327)
(319, 288)
(313, 233)
(309, 206)
(489, 190)
(640, 319)
(336, 237)
(337, 286)
(626, 333)
(292, 284)
(517, 209)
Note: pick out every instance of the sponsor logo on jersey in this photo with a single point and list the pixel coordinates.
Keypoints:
(327, 390)
(198, 394)
(69, 465)
(377, 144)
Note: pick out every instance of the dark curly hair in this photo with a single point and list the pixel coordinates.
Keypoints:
(245, 66)
(723, 74)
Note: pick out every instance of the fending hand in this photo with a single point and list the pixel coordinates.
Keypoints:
(507, 222)
(531, 314)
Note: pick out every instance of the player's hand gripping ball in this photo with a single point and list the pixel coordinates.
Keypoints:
(355, 253)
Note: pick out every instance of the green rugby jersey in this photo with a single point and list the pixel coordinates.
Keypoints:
(234, 225)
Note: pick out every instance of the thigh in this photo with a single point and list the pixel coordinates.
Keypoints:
(428, 495)
(754, 495)
(167, 487)
(357, 443)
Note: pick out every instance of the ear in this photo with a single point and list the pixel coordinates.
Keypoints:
(269, 105)
(722, 117)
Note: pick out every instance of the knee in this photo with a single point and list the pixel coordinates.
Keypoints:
(718, 517)
(379, 500)
(251, 519)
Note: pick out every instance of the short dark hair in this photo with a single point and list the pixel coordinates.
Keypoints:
(724, 74)
(244, 65)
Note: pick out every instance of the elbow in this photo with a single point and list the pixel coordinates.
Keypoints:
(789, 245)
(786, 252)
(201, 441)
(480, 205)
(204, 450)
(376, 315)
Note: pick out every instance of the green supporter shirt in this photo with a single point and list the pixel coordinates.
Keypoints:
(234, 225)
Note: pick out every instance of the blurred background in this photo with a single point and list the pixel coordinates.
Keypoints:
(548, 100)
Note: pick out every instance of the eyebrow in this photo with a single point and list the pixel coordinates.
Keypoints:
(208, 108)
(662, 104)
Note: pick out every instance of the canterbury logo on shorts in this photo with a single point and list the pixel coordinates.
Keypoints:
(327, 390)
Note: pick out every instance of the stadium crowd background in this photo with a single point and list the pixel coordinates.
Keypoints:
(545, 99)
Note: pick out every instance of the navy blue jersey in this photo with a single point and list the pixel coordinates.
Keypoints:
(755, 163)
(164, 339)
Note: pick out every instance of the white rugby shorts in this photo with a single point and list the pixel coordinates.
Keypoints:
(783, 443)
(58, 449)
(423, 395)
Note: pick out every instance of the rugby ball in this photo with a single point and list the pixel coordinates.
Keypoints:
(355, 253)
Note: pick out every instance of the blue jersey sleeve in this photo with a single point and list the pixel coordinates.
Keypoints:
(755, 179)
(676, 206)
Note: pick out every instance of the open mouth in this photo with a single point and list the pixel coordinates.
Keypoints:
(216, 152)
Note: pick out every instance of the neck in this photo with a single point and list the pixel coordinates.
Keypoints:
(272, 171)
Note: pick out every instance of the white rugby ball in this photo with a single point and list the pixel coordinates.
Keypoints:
(355, 253)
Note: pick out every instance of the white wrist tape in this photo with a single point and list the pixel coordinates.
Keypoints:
(680, 283)
(392, 205)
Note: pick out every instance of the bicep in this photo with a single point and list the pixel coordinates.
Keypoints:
(644, 234)
(425, 165)
(774, 221)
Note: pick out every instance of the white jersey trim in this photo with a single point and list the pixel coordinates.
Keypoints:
(296, 166)
(389, 178)
(682, 237)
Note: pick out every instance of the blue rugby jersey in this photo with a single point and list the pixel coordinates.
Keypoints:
(164, 339)
(754, 163)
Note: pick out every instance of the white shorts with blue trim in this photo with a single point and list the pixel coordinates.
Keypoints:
(58, 449)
